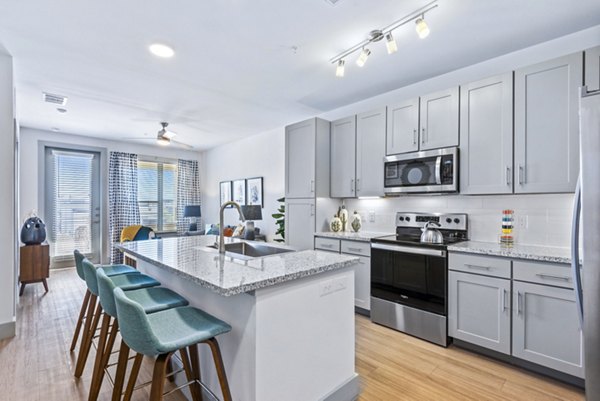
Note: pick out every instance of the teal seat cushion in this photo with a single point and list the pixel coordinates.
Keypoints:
(113, 270)
(134, 281)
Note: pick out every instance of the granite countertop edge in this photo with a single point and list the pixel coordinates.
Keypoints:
(540, 253)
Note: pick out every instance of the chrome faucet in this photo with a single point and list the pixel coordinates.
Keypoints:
(221, 224)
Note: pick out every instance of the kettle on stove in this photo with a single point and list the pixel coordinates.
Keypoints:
(432, 235)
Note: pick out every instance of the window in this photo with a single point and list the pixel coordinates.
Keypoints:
(157, 195)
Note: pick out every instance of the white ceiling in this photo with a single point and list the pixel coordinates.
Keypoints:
(244, 66)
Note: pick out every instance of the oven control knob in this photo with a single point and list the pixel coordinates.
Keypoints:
(407, 218)
(457, 220)
(448, 220)
(401, 218)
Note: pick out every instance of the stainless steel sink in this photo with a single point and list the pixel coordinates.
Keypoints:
(252, 250)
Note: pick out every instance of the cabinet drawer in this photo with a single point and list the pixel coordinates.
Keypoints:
(555, 274)
(486, 265)
(327, 244)
(356, 248)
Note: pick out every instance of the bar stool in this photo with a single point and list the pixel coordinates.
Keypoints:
(161, 334)
(127, 282)
(110, 270)
(152, 300)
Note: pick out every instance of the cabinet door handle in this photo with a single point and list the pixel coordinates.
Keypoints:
(328, 246)
(519, 303)
(357, 184)
(352, 185)
(312, 210)
(503, 300)
(521, 174)
(478, 267)
(354, 249)
(415, 136)
(553, 277)
(312, 186)
(423, 136)
(508, 174)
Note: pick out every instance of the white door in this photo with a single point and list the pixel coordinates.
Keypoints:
(300, 139)
(72, 206)
(439, 119)
(370, 151)
(403, 127)
(343, 158)
(546, 327)
(300, 223)
(547, 125)
(479, 310)
(486, 136)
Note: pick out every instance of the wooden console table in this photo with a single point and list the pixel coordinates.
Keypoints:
(35, 265)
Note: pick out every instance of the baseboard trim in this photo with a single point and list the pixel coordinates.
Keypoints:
(361, 311)
(347, 391)
(7, 330)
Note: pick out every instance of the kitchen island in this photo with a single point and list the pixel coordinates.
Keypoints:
(292, 315)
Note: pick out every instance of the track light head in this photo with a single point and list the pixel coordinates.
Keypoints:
(421, 28)
(339, 71)
(362, 58)
(390, 43)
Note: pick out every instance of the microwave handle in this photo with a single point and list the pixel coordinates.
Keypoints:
(438, 170)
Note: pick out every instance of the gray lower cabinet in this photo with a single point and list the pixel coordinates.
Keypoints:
(343, 158)
(592, 69)
(547, 125)
(300, 221)
(486, 136)
(546, 328)
(479, 310)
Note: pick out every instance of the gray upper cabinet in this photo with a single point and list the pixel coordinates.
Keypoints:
(546, 328)
(370, 151)
(547, 125)
(486, 136)
(592, 68)
(403, 127)
(439, 119)
(479, 310)
(343, 158)
(307, 159)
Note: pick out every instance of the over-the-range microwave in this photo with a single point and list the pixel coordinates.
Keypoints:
(429, 171)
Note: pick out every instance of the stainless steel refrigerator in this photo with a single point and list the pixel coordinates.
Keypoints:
(587, 214)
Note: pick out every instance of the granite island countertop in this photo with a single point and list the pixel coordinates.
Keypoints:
(517, 251)
(192, 259)
(365, 236)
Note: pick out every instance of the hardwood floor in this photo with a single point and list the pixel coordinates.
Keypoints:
(36, 364)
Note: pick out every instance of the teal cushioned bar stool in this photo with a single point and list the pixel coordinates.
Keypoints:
(84, 313)
(163, 333)
(129, 282)
(154, 299)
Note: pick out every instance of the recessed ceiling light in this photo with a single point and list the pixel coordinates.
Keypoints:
(61, 110)
(160, 50)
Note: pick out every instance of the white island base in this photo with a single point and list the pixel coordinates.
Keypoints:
(292, 341)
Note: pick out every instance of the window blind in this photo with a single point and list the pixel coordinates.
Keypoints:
(157, 195)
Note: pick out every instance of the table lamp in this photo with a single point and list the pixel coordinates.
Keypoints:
(192, 211)
(251, 213)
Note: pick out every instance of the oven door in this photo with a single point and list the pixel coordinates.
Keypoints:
(430, 171)
(411, 276)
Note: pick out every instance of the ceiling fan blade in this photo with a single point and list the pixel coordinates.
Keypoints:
(136, 139)
(184, 145)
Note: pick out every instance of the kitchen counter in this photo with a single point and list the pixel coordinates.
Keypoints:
(289, 312)
(517, 251)
(365, 236)
(192, 259)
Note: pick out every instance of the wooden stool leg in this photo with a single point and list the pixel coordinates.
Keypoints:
(190, 375)
(99, 364)
(86, 344)
(121, 370)
(195, 362)
(45, 284)
(135, 370)
(84, 305)
(158, 377)
(216, 352)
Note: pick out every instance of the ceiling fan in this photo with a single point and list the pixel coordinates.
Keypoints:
(165, 137)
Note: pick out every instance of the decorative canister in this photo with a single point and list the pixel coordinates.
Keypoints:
(356, 223)
(33, 231)
(335, 224)
(343, 214)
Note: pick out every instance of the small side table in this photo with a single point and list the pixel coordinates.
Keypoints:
(35, 265)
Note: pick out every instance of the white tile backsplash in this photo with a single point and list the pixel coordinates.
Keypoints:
(548, 215)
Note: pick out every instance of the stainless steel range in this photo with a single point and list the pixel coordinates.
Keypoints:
(409, 277)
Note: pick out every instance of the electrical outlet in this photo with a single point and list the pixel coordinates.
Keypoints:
(371, 216)
(523, 222)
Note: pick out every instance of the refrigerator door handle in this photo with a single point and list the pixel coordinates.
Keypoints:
(575, 271)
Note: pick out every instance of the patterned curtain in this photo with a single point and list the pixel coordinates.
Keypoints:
(122, 198)
(188, 191)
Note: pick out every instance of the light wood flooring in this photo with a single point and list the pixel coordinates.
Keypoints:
(36, 364)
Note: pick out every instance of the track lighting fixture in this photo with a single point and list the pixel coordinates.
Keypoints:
(390, 43)
(339, 71)
(362, 58)
(422, 28)
(418, 16)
